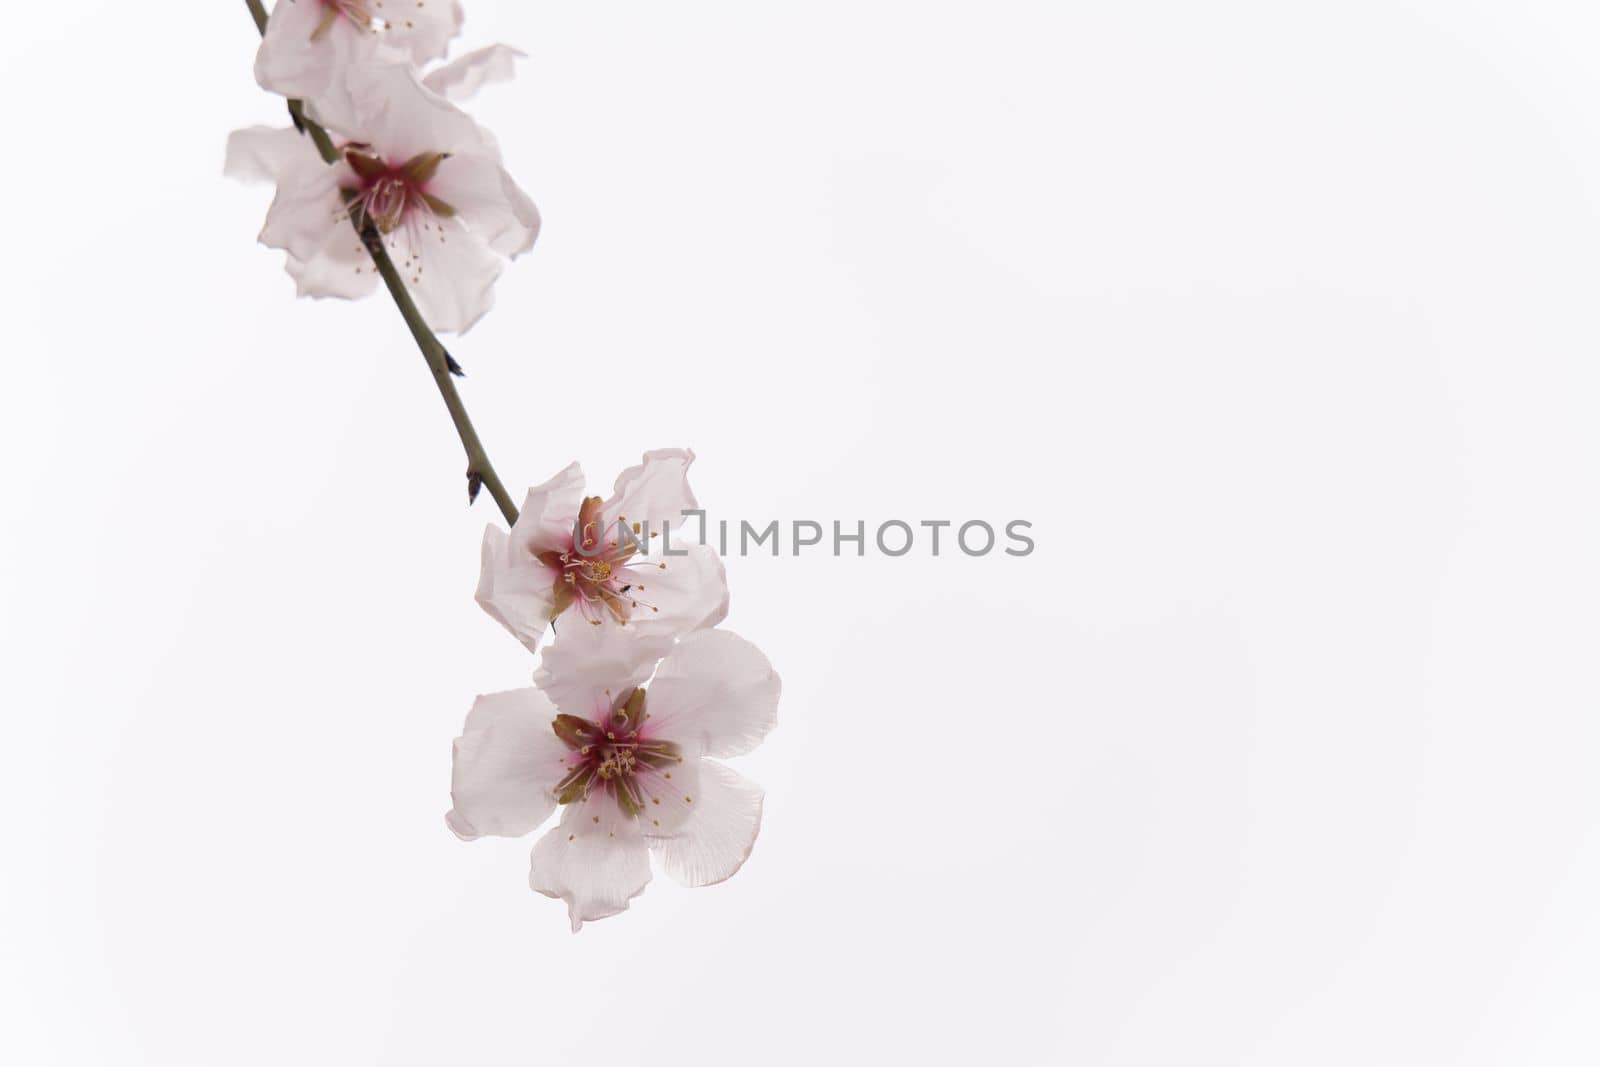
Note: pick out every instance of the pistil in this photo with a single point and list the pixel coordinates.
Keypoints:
(613, 755)
(386, 194)
(595, 574)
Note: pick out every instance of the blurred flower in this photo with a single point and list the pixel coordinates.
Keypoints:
(629, 765)
(412, 166)
(308, 44)
(602, 563)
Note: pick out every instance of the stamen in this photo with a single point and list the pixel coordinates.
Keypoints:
(598, 575)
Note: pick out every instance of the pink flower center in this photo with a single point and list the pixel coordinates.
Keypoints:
(615, 755)
(385, 193)
(600, 577)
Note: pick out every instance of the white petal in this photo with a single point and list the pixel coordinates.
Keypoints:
(689, 593)
(487, 202)
(715, 694)
(715, 839)
(513, 586)
(671, 794)
(340, 268)
(515, 592)
(307, 220)
(656, 491)
(306, 213)
(263, 153)
(423, 31)
(462, 77)
(384, 104)
(450, 271)
(588, 667)
(549, 510)
(295, 60)
(596, 860)
(504, 765)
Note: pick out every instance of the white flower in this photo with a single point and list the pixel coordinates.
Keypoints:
(418, 169)
(309, 43)
(607, 578)
(630, 766)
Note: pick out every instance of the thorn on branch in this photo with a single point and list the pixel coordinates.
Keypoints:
(450, 363)
(474, 483)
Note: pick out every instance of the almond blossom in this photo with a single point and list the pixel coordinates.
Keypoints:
(414, 171)
(606, 564)
(309, 43)
(631, 760)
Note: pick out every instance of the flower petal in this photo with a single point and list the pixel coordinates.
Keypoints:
(549, 510)
(514, 587)
(340, 268)
(450, 271)
(296, 60)
(715, 694)
(263, 153)
(716, 837)
(589, 666)
(690, 592)
(384, 104)
(306, 207)
(306, 218)
(487, 202)
(306, 55)
(596, 860)
(424, 31)
(654, 492)
(671, 792)
(504, 765)
(515, 593)
(462, 77)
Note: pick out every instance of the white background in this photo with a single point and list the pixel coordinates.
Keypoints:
(1277, 319)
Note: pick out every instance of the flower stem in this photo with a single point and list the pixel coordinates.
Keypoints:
(480, 472)
(318, 135)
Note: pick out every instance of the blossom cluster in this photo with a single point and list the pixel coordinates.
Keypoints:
(638, 693)
(411, 169)
(635, 700)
